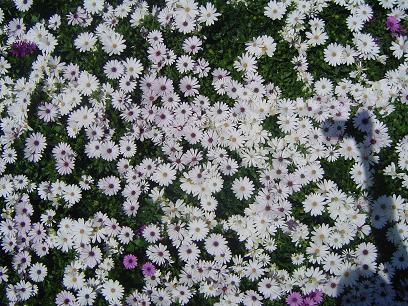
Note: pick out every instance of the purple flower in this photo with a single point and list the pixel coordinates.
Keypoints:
(292, 224)
(308, 301)
(141, 230)
(130, 262)
(23, 48)
(294, 299)
(316, 296)
(393, 24)
(148, 269)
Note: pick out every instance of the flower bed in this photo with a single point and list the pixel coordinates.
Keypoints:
(186, 152)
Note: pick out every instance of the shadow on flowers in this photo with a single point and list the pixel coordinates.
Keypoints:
(376, 275)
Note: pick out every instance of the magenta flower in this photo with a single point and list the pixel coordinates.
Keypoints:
(148, 269)
(294, 299)
(130, 262)
(393, 24)
(23, 48)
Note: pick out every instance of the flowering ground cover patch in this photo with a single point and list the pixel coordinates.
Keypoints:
(189, 152)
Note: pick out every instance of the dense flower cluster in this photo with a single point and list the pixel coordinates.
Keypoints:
(174, 132)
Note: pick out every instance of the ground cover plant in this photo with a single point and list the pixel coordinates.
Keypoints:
(188, 152)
